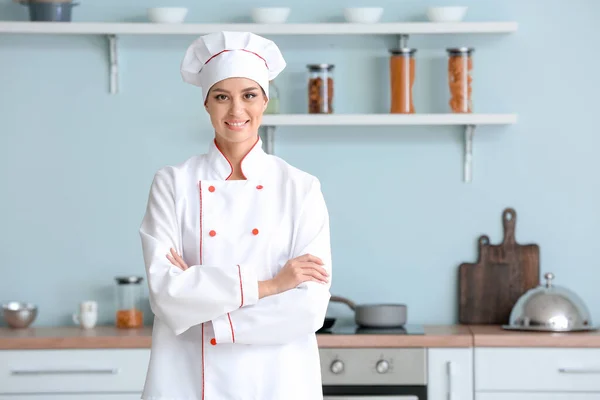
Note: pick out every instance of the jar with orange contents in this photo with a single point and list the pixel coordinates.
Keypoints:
(320, 88)
(402, 79)
(129, 295)
(460, 79)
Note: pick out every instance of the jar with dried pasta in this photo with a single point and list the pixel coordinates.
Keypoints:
(460, 80)
(402, 79)
(320, 88)
(129, 297)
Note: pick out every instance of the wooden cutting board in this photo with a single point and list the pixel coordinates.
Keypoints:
(489, 288)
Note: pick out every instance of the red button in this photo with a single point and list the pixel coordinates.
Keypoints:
(212, 233)
(259, 187)
(255, 231)
(213, 341)
(211, 189)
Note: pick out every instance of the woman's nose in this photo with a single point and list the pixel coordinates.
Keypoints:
(236, 107)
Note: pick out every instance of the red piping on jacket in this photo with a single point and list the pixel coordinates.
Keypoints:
(223, 154)
(200, 192)
(200, 251)
(243, 158)
(203, 367)
(231, 326)
(241, 286)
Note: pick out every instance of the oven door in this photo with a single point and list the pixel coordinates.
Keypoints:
(392, 397)
(374, 373)
(375, 392)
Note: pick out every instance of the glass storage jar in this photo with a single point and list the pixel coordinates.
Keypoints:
(460, 68)
(402, 79)
(129, 297)
(320, 88)
(273, 104)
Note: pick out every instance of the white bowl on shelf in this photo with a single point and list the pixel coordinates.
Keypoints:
(446, 14)
(167, 15)
(363, 15)
(270, 15)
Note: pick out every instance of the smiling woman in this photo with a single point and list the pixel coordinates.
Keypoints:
(236, 106)
(236, 247)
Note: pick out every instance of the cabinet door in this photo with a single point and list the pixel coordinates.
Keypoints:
(72, 397)
(537, 396)
(450, 374)
(73, 371)
(536, 370)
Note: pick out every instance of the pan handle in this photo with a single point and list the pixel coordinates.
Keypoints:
(339, 299)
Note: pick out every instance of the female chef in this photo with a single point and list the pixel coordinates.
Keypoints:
(236, 247)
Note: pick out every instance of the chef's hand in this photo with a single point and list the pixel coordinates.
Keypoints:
(296, 271)
(176, 260)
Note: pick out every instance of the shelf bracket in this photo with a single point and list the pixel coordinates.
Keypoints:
(269, 139)
(114, 64)
(403, 41)
(468, 156)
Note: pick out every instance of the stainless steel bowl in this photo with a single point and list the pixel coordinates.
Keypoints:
(19, 315)
(550, 308)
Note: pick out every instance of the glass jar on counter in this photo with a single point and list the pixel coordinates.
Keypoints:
(320, 88)
(273, 104)
(460, 68)
(402, 79)
(129, 297)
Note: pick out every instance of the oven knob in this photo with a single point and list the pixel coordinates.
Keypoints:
(337, 367)
(382, 366)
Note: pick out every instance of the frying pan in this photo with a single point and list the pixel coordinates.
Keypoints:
(328, 324)
(371, 315)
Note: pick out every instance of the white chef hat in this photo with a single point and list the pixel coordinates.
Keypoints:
(217, 56)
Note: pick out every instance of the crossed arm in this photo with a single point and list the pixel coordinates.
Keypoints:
(241, 309)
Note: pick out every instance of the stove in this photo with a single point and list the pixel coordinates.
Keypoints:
(373, 373)
(352, 329)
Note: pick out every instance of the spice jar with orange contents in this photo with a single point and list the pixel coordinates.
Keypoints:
(460, 68)
(129, 295)
(402, 79)
(320, 88)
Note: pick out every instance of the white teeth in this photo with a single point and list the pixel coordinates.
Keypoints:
(236, 123)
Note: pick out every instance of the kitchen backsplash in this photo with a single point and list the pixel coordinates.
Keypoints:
(76, 162)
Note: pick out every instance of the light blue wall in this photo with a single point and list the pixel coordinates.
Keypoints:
(76, 163)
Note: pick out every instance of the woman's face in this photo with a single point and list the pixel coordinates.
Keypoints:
(236, 106)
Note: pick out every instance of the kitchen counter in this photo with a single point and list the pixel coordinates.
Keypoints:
(495, 336)
(110, 337)
(100, 337)
(435, 336)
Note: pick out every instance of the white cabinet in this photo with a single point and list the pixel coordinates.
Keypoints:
(537, 373)
(70, 397)
(537, 396)
(111, 374)
(450, 374)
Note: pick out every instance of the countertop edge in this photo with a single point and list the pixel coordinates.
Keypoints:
(105, 337)
(495, 336)
(436, 336)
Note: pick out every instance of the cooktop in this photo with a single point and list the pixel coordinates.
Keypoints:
(352, 329)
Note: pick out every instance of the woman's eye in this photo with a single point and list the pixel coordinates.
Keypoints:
(221, 97)
(250, 95)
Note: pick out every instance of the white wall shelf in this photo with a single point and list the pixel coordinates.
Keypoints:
(402, 30)
(387, 119)
(146, 28)
(468, 121)
(113, 29)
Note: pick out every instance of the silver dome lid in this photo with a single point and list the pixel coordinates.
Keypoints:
(550, 308)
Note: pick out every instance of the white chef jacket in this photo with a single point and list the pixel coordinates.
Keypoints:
(212, 338)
